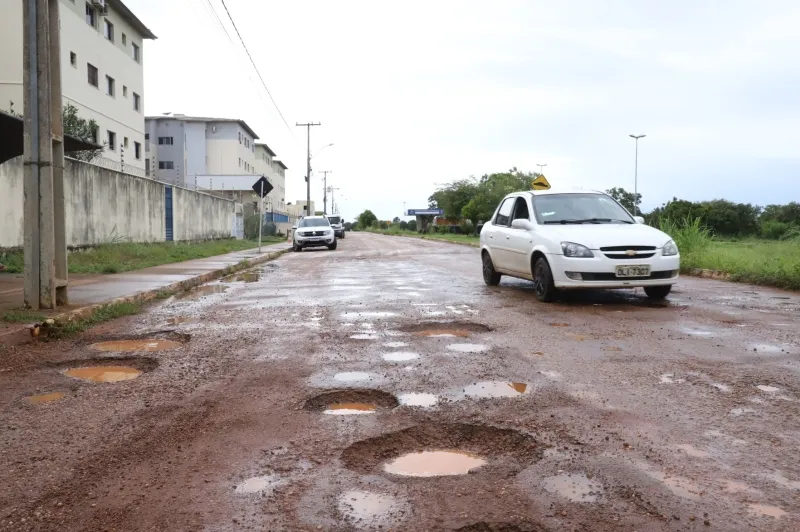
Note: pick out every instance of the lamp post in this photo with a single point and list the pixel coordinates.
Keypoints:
(541, 166)
(636, 174)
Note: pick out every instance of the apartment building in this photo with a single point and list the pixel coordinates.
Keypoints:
(102, 53)
(275, 172)
(179, 147)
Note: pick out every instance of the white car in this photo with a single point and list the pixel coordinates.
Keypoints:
(337, 224)
(313, 231)
(576, 239)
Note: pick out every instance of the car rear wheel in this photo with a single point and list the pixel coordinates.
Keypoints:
(490, 275)
(543, 281)
(657, 292)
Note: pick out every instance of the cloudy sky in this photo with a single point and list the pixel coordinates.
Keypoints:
(417, 93)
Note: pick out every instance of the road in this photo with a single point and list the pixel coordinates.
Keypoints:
(600, 412)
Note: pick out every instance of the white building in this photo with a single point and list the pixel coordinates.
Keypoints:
(102, 51)
(275, 172)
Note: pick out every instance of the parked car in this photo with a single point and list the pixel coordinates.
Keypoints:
(313, 231)
(337, 224)
(564, 240)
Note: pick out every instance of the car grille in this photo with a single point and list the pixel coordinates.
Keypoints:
(629, 252)
(313, 233)
(666, 274)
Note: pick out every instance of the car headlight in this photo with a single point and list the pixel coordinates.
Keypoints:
(571, 249)
(670, 249)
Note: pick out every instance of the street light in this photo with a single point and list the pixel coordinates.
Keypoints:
(636, 173)
(322, 148)
(540, 168)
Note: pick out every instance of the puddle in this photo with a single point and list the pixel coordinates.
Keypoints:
(104, 373)
(732, 486)
(395, 345)
(203, 291)
(353, 316)
(418, 399)
(349, 409)
(352, 376)
(46, 398)
(766, 510)
(400, 356)
(554, 375)
(490, 389)
(434, 464)
(369, 509)
(768, 389)
(669, 378)
(443, 333)
(692, 450)
(781, 480)
(467, 348)
(147, 344)
(696, 332)
(262, 485)
(364, 336)
(766, 348)
(245, 277)
(575, 487)
(682, 487)
(741, 411)
(181, 320)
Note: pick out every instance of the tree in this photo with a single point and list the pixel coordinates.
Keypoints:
(396, 220)
(629, 200)
(366, 219)
(491, 189)
(412, 225)
(453, 197)
(82, 129)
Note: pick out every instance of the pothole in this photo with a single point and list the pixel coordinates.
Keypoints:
(439, 449)
(424, 400)
(364, 336)
(399, 356)
(46, 398)
(494, 389)
(485, 526)
(262, 485)
(766, 510)
(467, 348)
(202, 291)
(180, 320)
(370, 509)
(244, 277)
(148, 345)
(576, 487)
(395, 345)
(104, 373)
(351, 402)
(445, 329)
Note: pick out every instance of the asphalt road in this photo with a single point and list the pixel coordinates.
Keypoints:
(600, 412)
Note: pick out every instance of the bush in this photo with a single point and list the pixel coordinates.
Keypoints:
(404, 225)
(774, 230)
(467, 228)
(688, 233)
(412, 225)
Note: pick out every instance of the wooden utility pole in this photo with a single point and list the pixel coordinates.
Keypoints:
(325, 190)
(45, 215)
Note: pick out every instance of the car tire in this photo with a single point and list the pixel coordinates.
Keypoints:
(490, 275)
(342, 234)
(543, 281)
(332, 247)
(657, 292)
(296, 248)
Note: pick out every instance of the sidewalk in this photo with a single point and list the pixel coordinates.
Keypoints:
(90, 290)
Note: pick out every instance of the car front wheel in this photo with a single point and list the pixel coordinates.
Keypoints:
(332, 247)
(490, 275)
(543, 281)
(657, 292)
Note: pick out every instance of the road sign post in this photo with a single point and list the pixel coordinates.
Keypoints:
(262, 187)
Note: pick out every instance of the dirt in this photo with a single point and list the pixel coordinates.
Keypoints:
(635, 416)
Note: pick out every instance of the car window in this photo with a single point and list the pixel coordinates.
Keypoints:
(504, 214)
(579, 208)
(314, 222)
(521, 210)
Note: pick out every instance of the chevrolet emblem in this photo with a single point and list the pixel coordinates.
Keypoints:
(630, 253)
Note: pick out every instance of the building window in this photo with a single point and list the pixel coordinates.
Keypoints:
(136, 102)
(240, 162)
(166, 165)
(112, 141)
(135, 52)
(124, 39)
(108, 30)
(125, 142)
(165, 140)
(137, 150)
(124, 91)
(109, 85)
(240, 137)
(147, 136)
(73, 59)
(91, 72)
(90, 20)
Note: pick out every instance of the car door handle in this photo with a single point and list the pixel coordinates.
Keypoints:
(508, 238)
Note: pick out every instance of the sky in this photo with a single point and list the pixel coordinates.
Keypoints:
(414, 94)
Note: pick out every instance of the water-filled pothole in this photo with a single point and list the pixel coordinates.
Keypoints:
(485, 526)
(468, 447)
(443, 333)
(143, 344)
(179, 320)
(370, 509)
(493, 389)
(202, 291)
(577, 487)
(46, 397)
(434, 464)
(104, 373)
(350, 402)
(445, 329)
(399, 356)
(263, 485)
(244, 277)
(418, 399)
(467, 348)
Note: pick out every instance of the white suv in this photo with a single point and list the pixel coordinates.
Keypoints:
(313, 231)
(578, 239)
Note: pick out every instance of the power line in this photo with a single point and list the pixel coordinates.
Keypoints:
(256, 68)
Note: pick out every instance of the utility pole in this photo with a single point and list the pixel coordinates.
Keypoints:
(333, 200)
(45, 246)
(636, 173)
(308, 125)
(325, 191)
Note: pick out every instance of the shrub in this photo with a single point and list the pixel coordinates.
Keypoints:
(412, 225)
(688, 233)
(774, 230)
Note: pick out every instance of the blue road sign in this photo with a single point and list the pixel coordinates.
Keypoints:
(424, 212)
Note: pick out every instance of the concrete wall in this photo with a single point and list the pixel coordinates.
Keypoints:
(103, 204)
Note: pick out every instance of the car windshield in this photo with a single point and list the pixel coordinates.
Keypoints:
(579, 209)
(313, 222)
(334, 219)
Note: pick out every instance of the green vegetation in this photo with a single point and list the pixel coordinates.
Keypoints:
(448, 237)
(23, 316)
(123, 257)
(773, 263)
(98, 316)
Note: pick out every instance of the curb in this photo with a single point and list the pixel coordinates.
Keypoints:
(149, 295)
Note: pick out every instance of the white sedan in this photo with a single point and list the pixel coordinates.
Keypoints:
(576, 239)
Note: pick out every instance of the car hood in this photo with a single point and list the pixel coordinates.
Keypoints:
(596, 236)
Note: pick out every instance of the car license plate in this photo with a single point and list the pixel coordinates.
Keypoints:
(633, 271)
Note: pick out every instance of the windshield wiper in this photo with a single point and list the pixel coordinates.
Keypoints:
(586, 221)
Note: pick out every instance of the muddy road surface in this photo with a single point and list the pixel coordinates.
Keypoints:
(384, 387)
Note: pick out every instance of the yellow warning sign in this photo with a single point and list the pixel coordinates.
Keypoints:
(540, 183)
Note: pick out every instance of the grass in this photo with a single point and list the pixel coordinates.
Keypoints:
(123, 257)
(447, 237)
(23, 316)
(98, 316)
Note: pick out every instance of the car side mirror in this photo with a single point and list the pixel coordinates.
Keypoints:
(294, 227)
(639, 219)
(522, 224)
